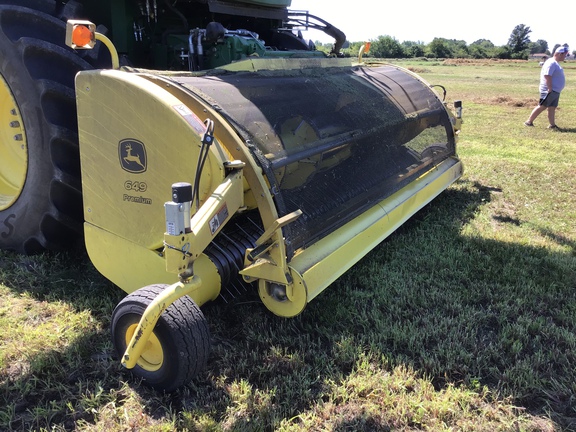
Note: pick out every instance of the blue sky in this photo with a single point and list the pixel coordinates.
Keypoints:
(422, 21)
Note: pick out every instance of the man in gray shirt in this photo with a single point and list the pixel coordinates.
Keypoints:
(552, 81)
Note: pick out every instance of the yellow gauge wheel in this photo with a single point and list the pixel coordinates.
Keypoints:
(179, 346)
(13, 147)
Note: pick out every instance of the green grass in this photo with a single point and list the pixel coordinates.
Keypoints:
(464, 319)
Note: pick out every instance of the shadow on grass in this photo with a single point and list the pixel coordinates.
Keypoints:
(559, 239)
(42, 386)
(52, 389)
(458, 310)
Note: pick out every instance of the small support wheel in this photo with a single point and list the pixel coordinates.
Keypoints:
(179, 346)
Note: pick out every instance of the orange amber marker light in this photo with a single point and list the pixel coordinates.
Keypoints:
(81, 35)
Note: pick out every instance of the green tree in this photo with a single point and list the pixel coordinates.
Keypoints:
(519, 41)
(386, 47)
(458, 48)
(538, 47)
(503, 52)
(413, 49)
(478, 52)
(482, 48)
(438, 48)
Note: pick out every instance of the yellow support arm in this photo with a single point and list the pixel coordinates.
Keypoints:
(267, 260)
(181, 250)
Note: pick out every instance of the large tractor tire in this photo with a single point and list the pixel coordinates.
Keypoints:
(40, 188)
(179, 346)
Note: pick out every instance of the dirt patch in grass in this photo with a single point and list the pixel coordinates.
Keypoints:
(505, 213)
(506, 101)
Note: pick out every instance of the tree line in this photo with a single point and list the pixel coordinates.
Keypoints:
(519, 47)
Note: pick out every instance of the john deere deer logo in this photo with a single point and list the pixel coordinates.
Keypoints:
(132, 155)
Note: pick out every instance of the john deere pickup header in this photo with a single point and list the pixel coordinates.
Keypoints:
(203, 148)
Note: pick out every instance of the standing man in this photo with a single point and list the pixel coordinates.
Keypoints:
(552, 81)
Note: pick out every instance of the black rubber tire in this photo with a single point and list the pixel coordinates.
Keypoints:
(39, 70)
(182, 332)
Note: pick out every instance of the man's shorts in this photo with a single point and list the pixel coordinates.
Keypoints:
(549, 99)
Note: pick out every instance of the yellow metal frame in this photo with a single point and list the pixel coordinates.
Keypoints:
(267, 261)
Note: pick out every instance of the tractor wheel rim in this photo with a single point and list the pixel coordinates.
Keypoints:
(152, 357)
(13, 148)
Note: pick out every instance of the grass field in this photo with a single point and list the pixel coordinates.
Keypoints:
(464, 319)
